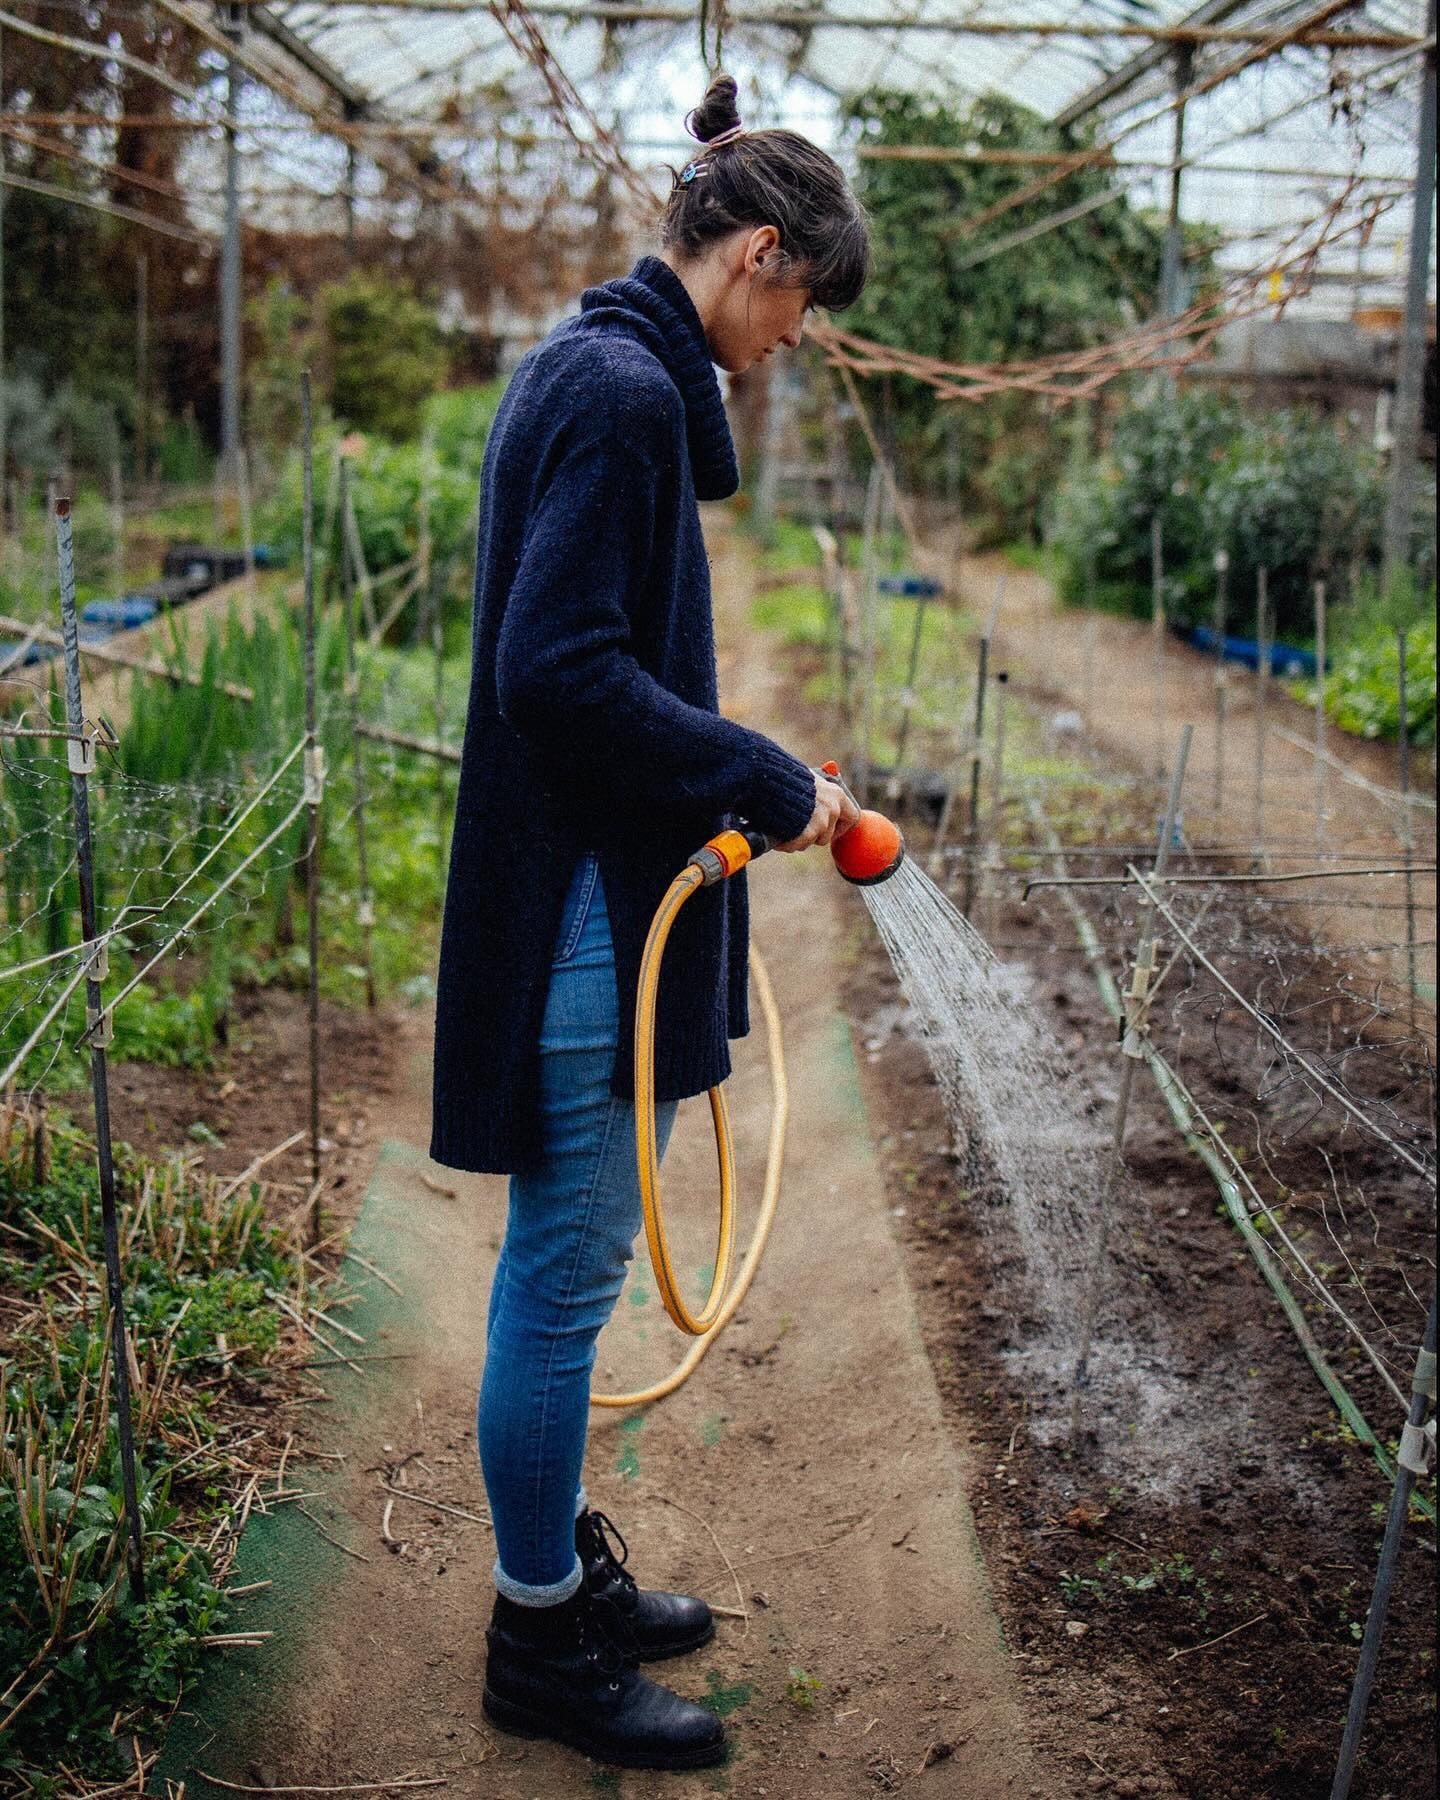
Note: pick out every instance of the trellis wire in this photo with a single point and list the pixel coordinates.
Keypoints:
(1358, 1113)
(1411, 1462)
(1230, 1175)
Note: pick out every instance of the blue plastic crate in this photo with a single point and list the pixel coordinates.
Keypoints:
(123, 614)
(912, 586)
(37, 653)
(1288, 661)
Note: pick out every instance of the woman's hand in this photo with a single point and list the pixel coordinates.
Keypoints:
(835, 812)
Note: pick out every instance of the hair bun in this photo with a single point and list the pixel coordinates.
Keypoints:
(717, 112)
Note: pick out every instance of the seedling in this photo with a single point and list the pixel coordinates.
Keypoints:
(802, 1688)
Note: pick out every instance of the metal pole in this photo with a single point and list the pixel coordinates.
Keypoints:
(431, 600)
(1157, 628)
(437, 640)
(1222, 680)
(366, 912)
(3, 445)
(247, 515)
(352, 161)
(314, 793)
(117, 515)
(772, 433)
(972, 833)
(142, 366)
(1319, 717)
(1172, 301)
(230, 275)
(1132, 1046)
(81, 752)
(997, 786)
(1408, 1464)
(869, 527)
(1262, 694)
(1407, 830)
(1410, 380)
(907, 693)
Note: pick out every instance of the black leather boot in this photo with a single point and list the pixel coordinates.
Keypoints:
(663, 1625)
(568, 1672)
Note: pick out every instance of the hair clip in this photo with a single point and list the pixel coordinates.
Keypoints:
(689, 172)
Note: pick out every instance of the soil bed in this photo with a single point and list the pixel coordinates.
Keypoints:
(1276, 1525)
(1185, 1611)
(256, 1094)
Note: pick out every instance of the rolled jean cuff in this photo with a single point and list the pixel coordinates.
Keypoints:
(520, 1595)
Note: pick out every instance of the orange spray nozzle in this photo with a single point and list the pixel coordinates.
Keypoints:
(872, 849)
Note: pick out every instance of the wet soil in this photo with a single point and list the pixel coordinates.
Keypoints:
(1265, 1524)
(1185, 1584)
(1253, 784)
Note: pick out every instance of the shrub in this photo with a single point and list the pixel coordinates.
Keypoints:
(387, 355)
(1362, 692)
(1282, 491)
(386, 481)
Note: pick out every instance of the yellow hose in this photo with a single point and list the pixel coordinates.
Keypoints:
(720, 1306)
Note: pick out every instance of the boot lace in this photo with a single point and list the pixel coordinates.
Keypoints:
(608, 1641)
(599, 1529)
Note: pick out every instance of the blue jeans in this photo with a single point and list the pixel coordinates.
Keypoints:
(572, 1225)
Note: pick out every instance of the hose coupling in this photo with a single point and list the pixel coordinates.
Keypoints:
(727, 854)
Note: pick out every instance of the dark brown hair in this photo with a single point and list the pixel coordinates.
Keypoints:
(770, 178)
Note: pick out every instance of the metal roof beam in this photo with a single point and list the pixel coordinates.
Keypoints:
(356, 103)
(1194, 30)
(1211, 14)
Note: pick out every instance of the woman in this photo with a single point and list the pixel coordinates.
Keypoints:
(595, 762)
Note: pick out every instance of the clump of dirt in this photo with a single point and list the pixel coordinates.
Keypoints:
(1201, 1629)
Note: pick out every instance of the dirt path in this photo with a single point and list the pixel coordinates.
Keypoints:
(1104, 668)
(810, 1444)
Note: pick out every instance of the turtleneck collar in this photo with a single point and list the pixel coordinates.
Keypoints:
(653, 296)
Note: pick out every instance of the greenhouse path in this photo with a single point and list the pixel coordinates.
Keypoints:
(1109, 679)
(803, 1480)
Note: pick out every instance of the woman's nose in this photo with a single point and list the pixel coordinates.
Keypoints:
(793, 336)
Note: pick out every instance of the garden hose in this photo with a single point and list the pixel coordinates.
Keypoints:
(870, 851)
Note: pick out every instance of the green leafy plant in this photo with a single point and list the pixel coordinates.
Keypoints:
(89, 1661)
(387, 353)
(1067, 288)
(1078, 1590)
(1283, 491)
(1362, 687)
(802, 1688)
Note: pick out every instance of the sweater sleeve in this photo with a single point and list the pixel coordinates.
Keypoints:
(568, 682)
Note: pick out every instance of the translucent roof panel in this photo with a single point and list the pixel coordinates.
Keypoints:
(1276, 130)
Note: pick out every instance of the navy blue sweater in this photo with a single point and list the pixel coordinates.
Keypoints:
(593, 720)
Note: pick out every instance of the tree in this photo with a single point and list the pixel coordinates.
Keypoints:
(387, 355)
(1073, 286)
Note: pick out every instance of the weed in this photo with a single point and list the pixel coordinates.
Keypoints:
(96, 1663)
(801, 1689)
(1079, 1590)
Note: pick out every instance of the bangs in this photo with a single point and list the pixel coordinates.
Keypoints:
(836, 276)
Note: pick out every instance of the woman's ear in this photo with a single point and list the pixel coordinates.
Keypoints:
(760, 250)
